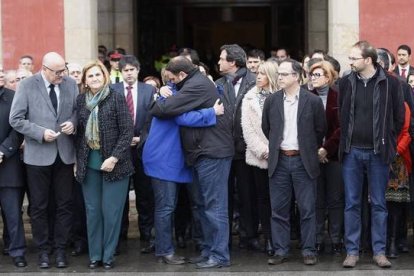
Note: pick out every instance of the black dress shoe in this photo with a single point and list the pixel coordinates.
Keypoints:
(19, 261)
(277, 259)
(320, 248)
(108, 265)
(337, 249)
(94, 264)
(172, 259)
(269, 248)
(78, 250)
(43, 260)
(181, 242)
(148, 248)
(211, 263)
(60, 260)
(254, 245)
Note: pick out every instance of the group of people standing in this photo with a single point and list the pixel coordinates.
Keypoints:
(259, 130)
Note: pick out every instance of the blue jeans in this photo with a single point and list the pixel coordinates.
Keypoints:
(355, 163)
(210, 193)
(289, 173)
(165, 196)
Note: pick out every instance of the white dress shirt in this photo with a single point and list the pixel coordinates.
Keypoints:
(290, 127)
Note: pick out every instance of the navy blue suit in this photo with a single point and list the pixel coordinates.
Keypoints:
(142, 183)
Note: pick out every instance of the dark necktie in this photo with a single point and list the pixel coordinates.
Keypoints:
(53, 98)
(130, 102)
(403, 73)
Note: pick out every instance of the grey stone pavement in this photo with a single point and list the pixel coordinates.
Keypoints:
(244, 262)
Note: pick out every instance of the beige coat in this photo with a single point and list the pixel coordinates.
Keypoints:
(251, 120)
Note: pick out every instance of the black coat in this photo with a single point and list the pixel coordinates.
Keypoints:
(388, 108)
(116, 131)
(311, 124)
(248, 81)
(198, 92)
(11, 169)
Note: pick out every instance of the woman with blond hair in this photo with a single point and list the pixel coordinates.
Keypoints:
(103, 138)
(257, 150)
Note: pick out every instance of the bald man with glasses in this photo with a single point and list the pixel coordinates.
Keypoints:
(44, 111)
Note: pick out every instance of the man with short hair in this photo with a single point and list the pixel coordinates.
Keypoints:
(44, 111)
(294, 121)
(371, 108)
(138, 96)
(26, 62)
(254, 58)
(10, 79)
(237, 80)
(403, 59)
(208, 151)
(280, 54)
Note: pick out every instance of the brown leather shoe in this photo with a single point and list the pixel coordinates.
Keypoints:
(382, 261)
(350, 261)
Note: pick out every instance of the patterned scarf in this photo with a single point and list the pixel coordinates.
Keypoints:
(262, 95)
(92, 126)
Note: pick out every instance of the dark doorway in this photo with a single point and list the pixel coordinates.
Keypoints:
(205, 25)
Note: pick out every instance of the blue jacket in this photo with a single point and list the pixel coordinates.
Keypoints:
(163, 155)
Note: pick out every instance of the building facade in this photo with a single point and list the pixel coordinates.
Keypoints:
(75, 28)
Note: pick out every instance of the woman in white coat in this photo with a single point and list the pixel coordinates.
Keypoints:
(257, 150)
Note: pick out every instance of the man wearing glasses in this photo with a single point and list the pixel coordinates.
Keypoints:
(294, 121)
(371, 116)
(44, 111)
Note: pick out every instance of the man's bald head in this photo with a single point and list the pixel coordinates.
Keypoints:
(54, 67)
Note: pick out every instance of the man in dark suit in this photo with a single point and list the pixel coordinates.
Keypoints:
(294, 122)
(44, 111)
(11, 179)
(139, 97)
(404, 69)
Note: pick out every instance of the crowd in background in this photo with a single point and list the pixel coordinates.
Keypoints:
(273, 150)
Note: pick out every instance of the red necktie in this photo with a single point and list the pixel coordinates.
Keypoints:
(130, 102)
(403, 74)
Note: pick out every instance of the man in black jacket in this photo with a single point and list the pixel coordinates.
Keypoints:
(209, 151)
(371, 116)
(11, 178)
(294, 121)
(237, 80)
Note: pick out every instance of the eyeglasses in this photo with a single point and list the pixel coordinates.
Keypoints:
(354, 58)
(285, 74)
(316, 75)
(57, 72)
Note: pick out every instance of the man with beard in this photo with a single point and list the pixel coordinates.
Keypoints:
(371, 116)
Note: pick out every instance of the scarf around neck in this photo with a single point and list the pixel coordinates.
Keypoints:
(92, 126)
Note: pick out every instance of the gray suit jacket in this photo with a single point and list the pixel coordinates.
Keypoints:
(32, 113)
(311, 124)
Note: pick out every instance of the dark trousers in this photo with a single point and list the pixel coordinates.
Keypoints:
(58, 178)
(244, 180)
(182, 214)
(330, 201)
(144, 201)
(261, 180)
(79, 234)
(289, 173)
(11, 204)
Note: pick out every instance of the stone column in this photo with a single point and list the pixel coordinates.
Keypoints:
(81, 30)
(343, 29)
(116, 24)
(317, 25)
